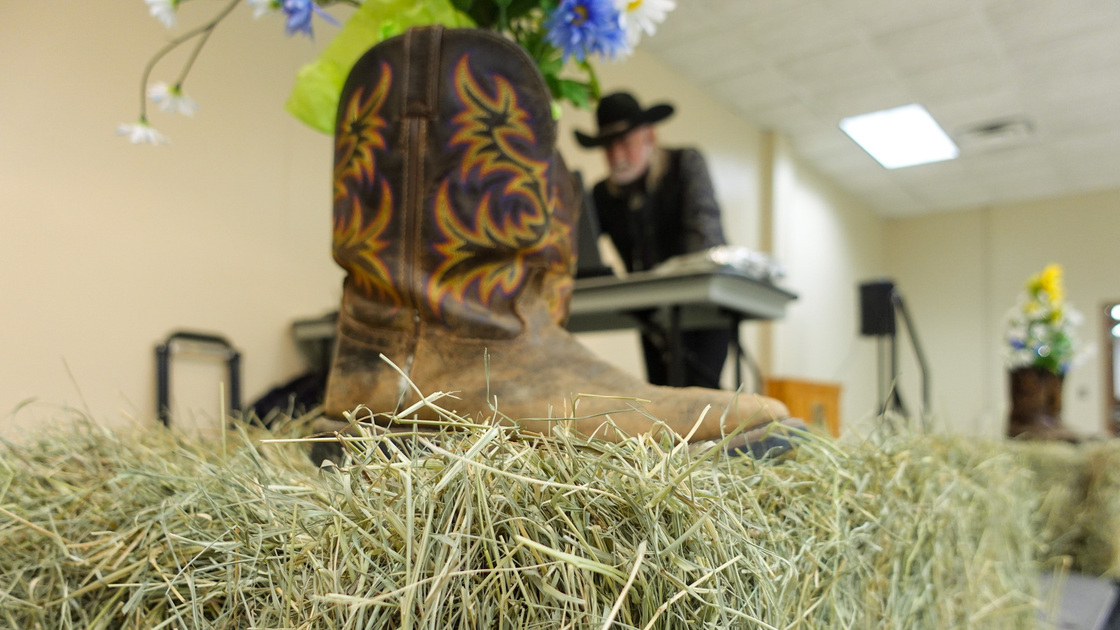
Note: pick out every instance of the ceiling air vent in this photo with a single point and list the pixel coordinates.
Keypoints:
(995, 135)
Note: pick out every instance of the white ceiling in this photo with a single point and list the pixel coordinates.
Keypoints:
(798, 66)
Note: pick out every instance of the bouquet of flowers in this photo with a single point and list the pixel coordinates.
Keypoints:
(560, 35)
(1041, 328)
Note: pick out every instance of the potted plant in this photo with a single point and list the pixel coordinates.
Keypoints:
(1041, 348)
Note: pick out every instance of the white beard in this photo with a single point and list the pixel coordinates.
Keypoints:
(623, 174)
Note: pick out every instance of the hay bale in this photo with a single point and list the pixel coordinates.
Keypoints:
(1078, 490)
(1101, 512)
(1059, 478)
(483, 527)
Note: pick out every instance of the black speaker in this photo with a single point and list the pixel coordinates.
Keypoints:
(876, 308)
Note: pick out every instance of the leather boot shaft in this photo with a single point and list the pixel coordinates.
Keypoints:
(452, 209)
(447, 186)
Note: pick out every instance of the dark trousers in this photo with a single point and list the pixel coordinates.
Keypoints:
(705, 352)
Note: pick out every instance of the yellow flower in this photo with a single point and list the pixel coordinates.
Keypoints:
(1051, 281)
(1048, 281)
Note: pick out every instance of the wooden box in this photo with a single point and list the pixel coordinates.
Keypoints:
(815, 402)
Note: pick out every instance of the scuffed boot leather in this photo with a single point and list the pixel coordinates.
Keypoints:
(453, 218)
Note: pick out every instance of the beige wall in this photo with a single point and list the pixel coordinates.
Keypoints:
(829, 243)
(107, 247)
(937, 263)
(961, 272)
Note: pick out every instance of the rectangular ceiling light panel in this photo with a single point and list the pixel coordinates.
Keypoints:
(903, 136)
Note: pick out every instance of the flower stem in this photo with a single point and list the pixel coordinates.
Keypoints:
(204, 30)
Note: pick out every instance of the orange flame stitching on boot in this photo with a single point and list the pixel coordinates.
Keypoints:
(488, 128)
(360, 133)
(490, 255)
(466, 244)
(358, 248)
(358, 245)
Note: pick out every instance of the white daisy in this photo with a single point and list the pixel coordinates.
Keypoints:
(164, 11)
(640, 16)
(141, 133)
(262, 7)
(172, 99)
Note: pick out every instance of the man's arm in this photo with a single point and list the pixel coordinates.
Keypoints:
(700, 213)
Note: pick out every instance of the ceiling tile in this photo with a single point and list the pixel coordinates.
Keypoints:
(950, 82)
(710, 59)
(783, 116)
(1055, 122)
(954, 195)
(739, 12)
(833, 68)
(751, 90)
(1079, 147)
(962, 113)
(932, 173)
(1092, 179)
(1021, 189)
(856, 172)
(954, 40)
(927, 183)
(688, 22)
(879, 16)
(1064, 59)
(856, 98)
(1018, 173)
(1090, 161)
(892, 201)
(794, 31)
(1024, 25)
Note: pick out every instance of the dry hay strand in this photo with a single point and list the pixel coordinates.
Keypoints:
(487, 527)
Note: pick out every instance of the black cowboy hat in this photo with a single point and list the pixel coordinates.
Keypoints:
(619, 113)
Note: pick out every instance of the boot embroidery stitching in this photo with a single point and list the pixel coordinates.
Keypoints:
(483, 251)
(360, 240)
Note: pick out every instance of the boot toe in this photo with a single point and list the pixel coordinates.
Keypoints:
(770, 441)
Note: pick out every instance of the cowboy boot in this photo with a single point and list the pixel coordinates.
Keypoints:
(453, 218)
(1036, 406)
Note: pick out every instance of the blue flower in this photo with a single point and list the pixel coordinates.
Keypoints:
(299, 16)
(579, 27)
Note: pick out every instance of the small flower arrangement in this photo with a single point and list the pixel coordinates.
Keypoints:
(560, 35)
(1041, 328)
